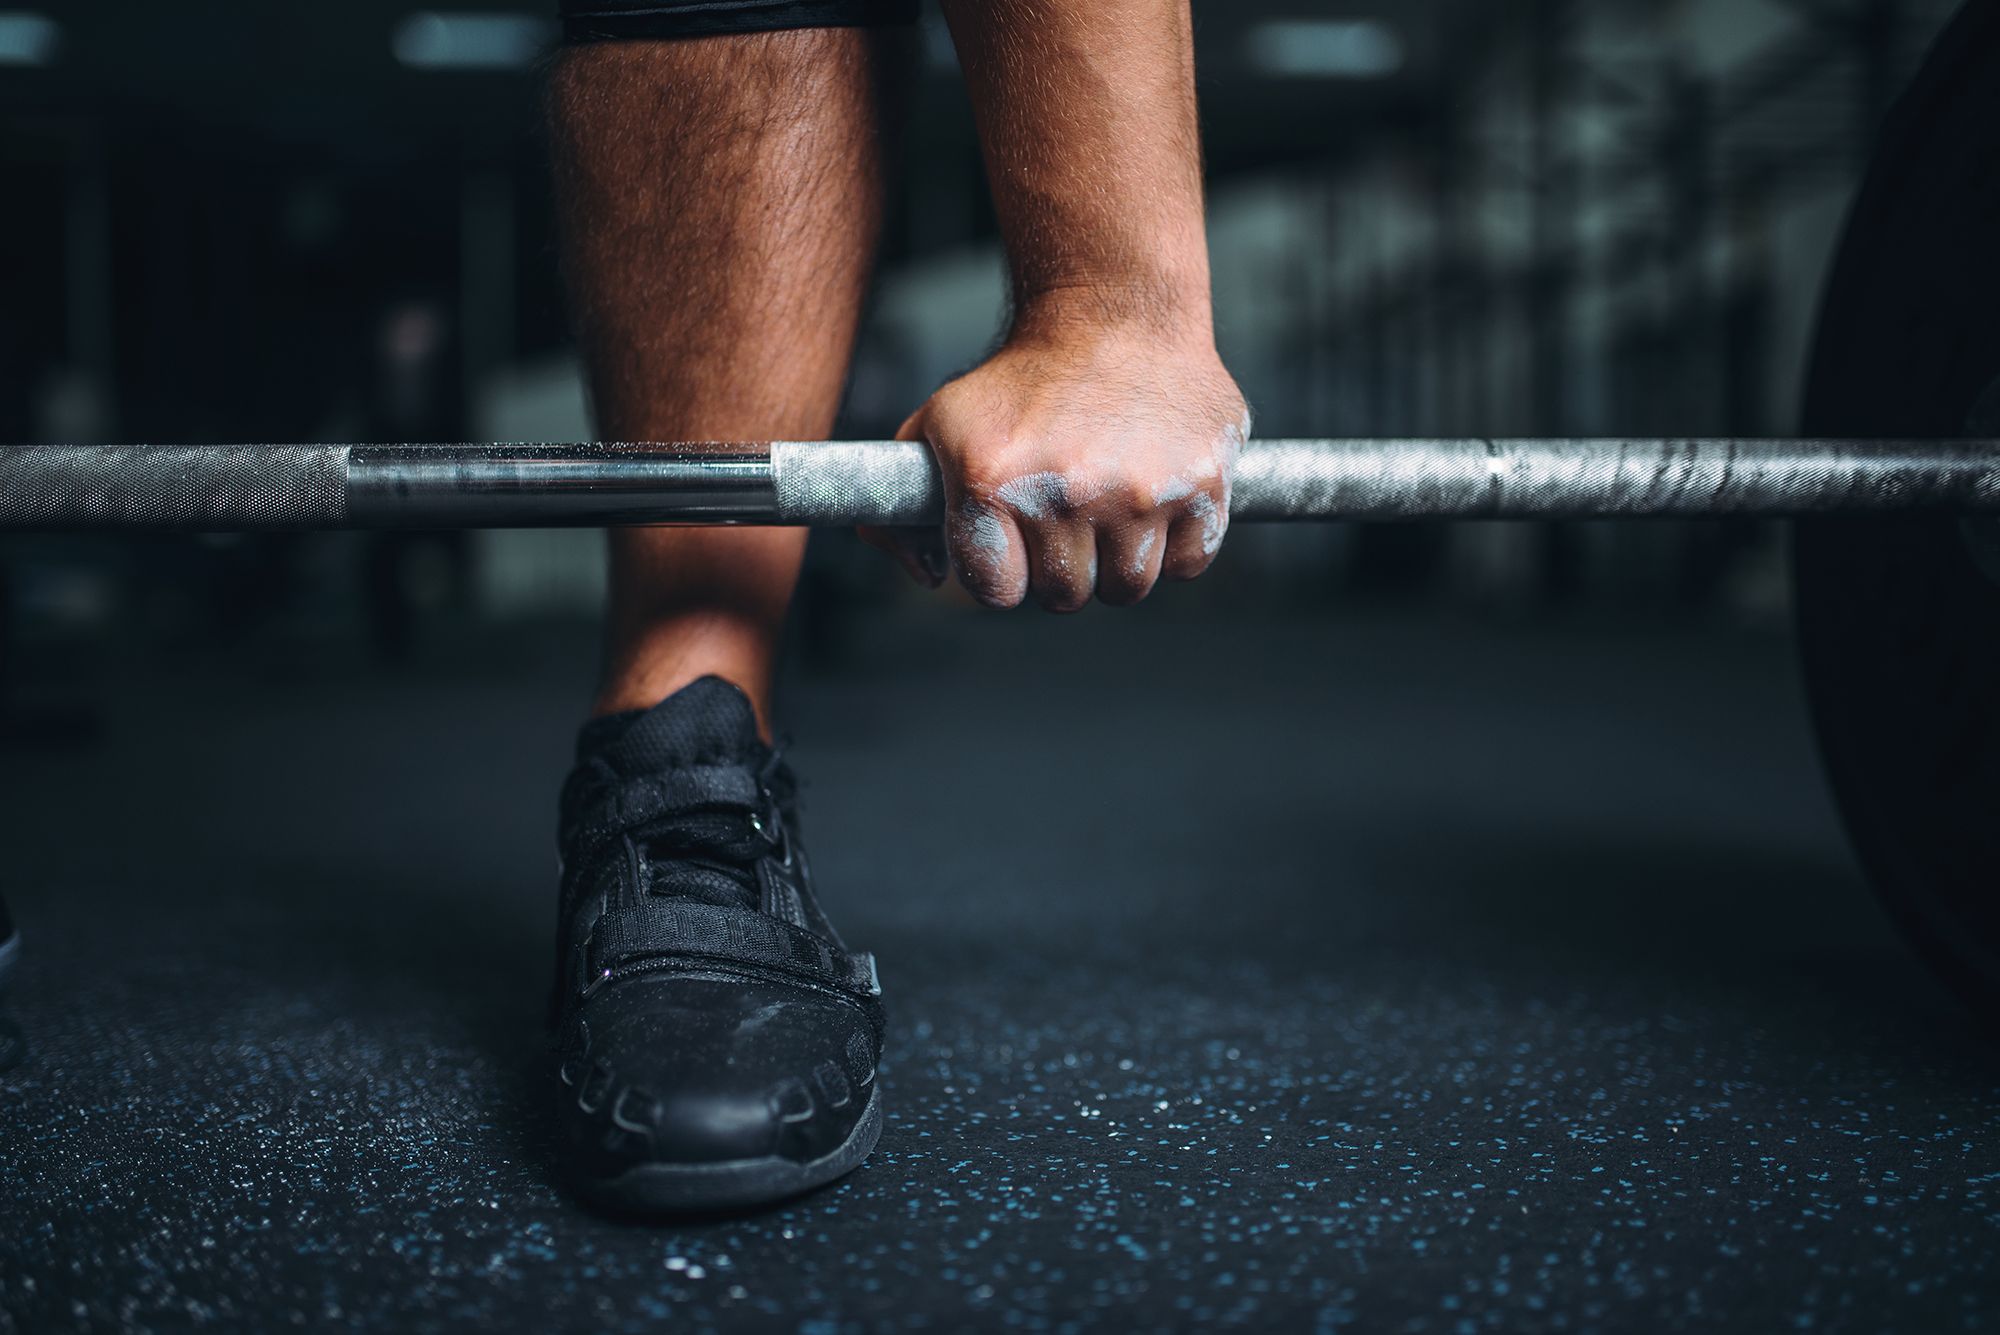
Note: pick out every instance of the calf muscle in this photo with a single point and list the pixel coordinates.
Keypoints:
(721, 199)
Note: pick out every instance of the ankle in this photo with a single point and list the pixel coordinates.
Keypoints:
(646, 665)
(691, 603)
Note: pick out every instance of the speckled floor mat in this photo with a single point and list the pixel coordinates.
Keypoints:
(1380, 975)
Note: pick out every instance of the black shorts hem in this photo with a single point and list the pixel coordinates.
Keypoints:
(611, 21)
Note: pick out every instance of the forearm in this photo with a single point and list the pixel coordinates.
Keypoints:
(1086, 113)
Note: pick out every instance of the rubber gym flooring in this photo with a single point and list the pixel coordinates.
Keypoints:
(1264, 972)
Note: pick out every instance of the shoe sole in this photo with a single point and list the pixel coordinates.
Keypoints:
(735, 1184)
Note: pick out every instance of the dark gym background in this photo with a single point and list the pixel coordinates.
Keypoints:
(1431, 928)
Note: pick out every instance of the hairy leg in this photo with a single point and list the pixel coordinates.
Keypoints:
(721, 201)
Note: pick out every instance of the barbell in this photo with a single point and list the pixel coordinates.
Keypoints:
(224, 487)
(1897, 559)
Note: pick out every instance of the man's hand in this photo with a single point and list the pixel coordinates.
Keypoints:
(1085, 455)
(1093, 451)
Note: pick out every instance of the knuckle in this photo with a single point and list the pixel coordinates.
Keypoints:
(1134, 495)
(1035, 495)
(979, 482)
(1174, 494)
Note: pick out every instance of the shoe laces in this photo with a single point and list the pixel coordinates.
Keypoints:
(711, 854)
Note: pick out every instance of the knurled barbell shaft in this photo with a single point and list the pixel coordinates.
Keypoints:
(224, 487)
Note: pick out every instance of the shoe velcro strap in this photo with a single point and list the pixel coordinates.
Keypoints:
(673, 927)
(612, 812)
(640, 802)
(690, 789)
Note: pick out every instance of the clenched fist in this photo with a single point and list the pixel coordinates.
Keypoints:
(1079, 459)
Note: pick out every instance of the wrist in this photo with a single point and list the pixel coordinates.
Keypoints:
(1153, 306)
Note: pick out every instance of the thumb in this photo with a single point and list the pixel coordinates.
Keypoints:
(919, 550)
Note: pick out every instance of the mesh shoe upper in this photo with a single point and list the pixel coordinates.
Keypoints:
(705, 1009)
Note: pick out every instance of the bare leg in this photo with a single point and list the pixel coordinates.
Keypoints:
(721, 203)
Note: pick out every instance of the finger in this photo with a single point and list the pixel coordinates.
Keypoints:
(1128, 561)
(920, 551)
(1195, 536)
(912, 427)
(988, 553)
(1062, 562)
(981, 542)
(1050, 508)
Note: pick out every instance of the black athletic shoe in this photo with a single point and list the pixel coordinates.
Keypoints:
(716, 1043)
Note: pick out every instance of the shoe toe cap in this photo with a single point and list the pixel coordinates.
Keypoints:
(691, 1070)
